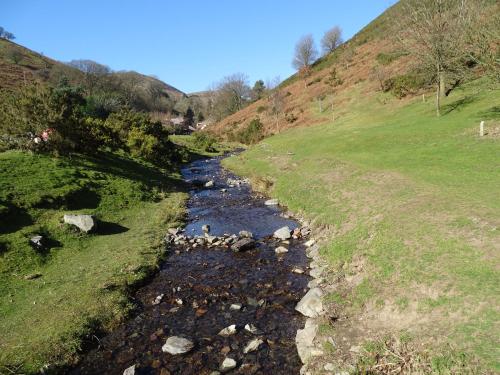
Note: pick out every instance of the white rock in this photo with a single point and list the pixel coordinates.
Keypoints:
(177, 345)
(313, 252)
(245, 234)
(298, 270)
(304, 340)
(282, 233)
(235, 306)
(281, 250)
(228, 364)
(311, 305)
(252, 345)
(271, 202)
(209, 184)
(129, 371)
(228, 331)
(158, 299)
(316, 272)
(86, 223)
(251, 328)
(310, 243)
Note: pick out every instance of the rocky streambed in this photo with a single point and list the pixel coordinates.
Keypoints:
(225, 299)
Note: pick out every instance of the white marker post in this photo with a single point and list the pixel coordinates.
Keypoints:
(481, 129)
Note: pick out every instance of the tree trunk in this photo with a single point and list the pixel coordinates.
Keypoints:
(438, 101)
(442, 84)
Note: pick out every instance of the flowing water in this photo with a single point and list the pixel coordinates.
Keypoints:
(200, 284)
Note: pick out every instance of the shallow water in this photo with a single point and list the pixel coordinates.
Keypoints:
(208, 281)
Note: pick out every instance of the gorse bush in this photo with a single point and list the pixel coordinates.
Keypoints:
(205, 141)
(406, 84)
(61, 120)
(250, 134)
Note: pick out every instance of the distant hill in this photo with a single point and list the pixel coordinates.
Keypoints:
(20, 65)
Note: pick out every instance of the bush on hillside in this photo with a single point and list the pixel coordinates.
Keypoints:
(139, 135)
(42, 118)
(205, 141)
(403, 85)
(251, 134)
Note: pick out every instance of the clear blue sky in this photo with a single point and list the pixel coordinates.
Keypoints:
(188, 44)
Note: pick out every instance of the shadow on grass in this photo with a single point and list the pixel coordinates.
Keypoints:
(492, 113)
(85, 198)
(107, 228)
(459, 104)
(14, 218)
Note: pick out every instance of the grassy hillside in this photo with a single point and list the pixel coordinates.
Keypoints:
(20, 65)
(408, 208)
(82, 281)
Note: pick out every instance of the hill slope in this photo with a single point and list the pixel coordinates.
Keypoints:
(19, 65)
(405, 206)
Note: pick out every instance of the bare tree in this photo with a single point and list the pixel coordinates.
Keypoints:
(435, 32)
(277, 103)
(94, 72)
(331, 40)
(230, 95)
(484, 34)
(305, 53)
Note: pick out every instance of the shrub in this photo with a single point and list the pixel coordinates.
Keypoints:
(404, 85)
(205, 141)
(251, 134)
(387, 58)
(41, 118)
(261, 108)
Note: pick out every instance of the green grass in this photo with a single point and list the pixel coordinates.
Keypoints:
(411, 196)
(85, 279)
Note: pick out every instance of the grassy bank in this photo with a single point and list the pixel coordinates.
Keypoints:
(410, 208)
(84, 280)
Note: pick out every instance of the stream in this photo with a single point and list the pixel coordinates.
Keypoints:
(204, 287)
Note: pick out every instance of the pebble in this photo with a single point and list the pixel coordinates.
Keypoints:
(281, 250)
(228, 331)
(158, 299)
(252, 346)
(129, 371)
(228, 364)
(235, 306)
(177, 345)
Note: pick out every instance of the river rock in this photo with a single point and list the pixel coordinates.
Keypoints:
(129, 371)
(252, 329)
(177, 345)
(282, 233)
(158, 299)
(313, 252)
(205, 228)
(37, 242)
(305, 341)
(311, 305)
(281, 250)
(243, 245)
(245, 234)
(86, 223)
(271, 202)
(228, 364)
(209, 184)
(252, 346)
(228, 331)
(310, 243)
(235, 306)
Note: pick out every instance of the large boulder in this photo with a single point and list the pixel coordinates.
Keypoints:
(177, 345)
(282, 233)
(305, 341)
(86, 223)
(243, 245)
(311, 305)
